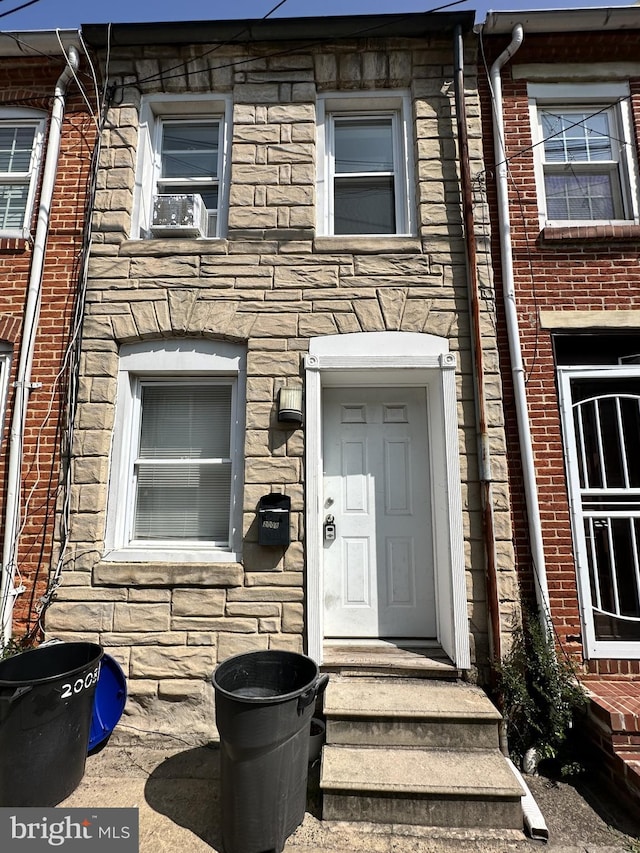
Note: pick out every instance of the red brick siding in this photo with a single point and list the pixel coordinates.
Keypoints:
(549, 274)
(30, 83)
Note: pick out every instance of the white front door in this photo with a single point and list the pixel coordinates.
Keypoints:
(378, 570)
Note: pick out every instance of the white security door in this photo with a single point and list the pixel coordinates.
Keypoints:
(378, 570)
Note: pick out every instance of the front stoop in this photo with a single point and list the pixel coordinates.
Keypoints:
(416, 752)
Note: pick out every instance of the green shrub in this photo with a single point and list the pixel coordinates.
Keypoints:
(13, 647)
(540, 693)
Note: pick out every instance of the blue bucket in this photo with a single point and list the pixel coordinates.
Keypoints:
(109, 701)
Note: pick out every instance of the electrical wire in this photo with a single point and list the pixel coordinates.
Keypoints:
(72, 359)
(18, 8)
(75, 77)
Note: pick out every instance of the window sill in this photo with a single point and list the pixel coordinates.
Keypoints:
(622, 232)
(147, 574)
(174, 246)
(368, 244)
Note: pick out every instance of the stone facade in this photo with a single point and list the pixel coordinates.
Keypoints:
(271, 284)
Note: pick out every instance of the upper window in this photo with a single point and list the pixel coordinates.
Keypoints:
(364, 165)
(584, 154)
(20, 146)
(175, 483)
(181, 188)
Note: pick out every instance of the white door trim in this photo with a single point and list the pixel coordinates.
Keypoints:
(401, 358)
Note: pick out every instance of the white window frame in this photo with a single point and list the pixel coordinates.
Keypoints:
(153, 110)
(595, 96)
(30, 118)
(593, 648)
(166, 360)
(396, 105)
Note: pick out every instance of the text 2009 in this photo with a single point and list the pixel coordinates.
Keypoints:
(81, 684)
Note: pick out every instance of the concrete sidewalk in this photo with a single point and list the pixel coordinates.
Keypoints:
(176, 792)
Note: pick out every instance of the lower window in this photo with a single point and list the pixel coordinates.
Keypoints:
(601, 421)
(174, 490)
(182, 471)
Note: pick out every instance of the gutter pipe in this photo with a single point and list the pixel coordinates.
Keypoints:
(484, 453)
(513, 334)
(23, 383)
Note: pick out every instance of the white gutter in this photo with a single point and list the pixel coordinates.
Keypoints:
(29, 329)
(513, 333)
(532, 816)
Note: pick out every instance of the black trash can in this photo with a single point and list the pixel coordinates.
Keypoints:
(264, 704)
(46, 704)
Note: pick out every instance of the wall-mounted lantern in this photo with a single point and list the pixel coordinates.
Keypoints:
(290, 404)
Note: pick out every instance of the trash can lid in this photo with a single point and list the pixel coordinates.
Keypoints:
(109, 701)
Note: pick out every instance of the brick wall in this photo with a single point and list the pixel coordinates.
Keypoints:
(30, 83)
(592, 271)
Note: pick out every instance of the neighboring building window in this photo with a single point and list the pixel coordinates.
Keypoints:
(20, 148)
(364, 164)
(182, 155)
(584, 154)
(600, 406)
(175, 488)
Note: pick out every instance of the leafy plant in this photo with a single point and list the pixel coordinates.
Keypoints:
(540, 693)
(13, 647)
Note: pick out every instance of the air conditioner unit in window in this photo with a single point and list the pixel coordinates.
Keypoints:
(179, 216)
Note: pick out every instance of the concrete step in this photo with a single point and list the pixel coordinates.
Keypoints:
(423, 787)
(409, 712)
(387, 659)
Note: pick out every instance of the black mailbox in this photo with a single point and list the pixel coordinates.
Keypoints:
(274, 511)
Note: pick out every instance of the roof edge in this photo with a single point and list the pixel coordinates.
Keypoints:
(609, 18)
(36, 42)
(409, 25)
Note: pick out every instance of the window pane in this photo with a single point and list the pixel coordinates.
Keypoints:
(364, 206)
(177, 501)
(190, 149)
(192, 422)
(13, 204)
(576, 196)
(577, 136)
(363, 146)
(16, 145)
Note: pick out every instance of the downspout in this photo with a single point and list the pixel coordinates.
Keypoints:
(484, 454)
(513, 334)
(29, 328)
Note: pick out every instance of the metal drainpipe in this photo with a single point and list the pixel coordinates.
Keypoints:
(513, 334)
(484, 455)
(29, 329)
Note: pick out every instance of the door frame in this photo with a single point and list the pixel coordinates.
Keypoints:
(377, 359)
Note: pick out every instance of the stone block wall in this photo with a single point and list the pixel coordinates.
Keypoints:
(270, 284)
